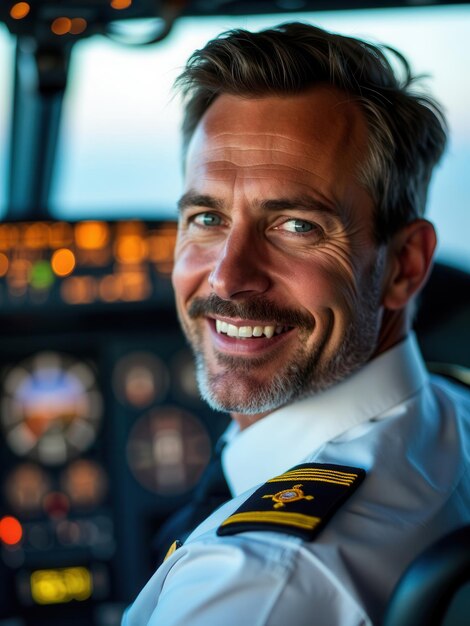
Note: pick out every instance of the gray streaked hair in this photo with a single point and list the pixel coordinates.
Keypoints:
(407, 129)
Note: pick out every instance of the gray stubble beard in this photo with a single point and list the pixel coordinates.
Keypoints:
(304, 375)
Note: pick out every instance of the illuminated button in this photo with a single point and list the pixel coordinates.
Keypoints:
(121, 4)
(4, 263)
(91, 235)
(9, 236)
(18, 275)
(60, 235)
(61, 26)
(110, 288)
(36, 236)
(25, 488)
(63, 262)
(56, 505)
(41, 276)
(85, 483)
(131, 249)
(78, 26)
(140, 378)
(79, 289)
(135, 286)
(55, 586)
(20, 10)
(11, 530)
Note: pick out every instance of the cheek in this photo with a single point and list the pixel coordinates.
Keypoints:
(191, 270)
(326, 282)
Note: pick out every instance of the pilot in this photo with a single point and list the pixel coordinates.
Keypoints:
(301, 249)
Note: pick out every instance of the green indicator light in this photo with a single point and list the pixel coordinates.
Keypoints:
(41, 275)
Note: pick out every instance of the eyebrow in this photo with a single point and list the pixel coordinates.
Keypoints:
(298, 203)
(303, 202)
(190, 199)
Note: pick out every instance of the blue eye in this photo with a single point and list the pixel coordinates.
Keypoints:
(298, 226)
(208, 219)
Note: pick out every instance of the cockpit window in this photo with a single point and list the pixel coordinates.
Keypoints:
(119, 149)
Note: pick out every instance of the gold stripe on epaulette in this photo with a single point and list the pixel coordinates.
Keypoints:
(314, 479)
(314, 475)
(274, 517)
(307, 470)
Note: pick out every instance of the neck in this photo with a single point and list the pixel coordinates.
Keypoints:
(394, 328)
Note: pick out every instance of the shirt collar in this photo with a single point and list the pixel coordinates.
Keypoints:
(286, 436)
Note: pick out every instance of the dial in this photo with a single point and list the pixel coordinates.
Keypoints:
(51, 408)
(140, 378)
(85, 483)
(167, 451)
(25, 488)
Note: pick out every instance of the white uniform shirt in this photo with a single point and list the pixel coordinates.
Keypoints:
(412, 436)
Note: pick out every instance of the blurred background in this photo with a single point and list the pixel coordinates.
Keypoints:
(103, 434)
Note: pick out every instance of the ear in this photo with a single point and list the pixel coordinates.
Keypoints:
(409, 260)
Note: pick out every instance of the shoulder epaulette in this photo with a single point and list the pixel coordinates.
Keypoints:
(299, 502)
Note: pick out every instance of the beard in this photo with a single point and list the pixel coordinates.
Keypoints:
(235, 388)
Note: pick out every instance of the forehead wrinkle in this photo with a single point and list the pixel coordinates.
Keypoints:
(238, 141)
(231, 151)
(262, 168)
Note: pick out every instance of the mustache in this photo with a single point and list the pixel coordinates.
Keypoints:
(257, 309)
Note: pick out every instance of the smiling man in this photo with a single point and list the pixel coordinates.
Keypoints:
(301, 247)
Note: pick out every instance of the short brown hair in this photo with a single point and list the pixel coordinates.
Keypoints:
(407, 130)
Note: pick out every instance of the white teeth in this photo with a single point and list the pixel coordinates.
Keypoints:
(232, 331)
(247, 331)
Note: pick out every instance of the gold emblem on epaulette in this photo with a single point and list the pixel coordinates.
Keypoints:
(172, 549)
(281, 498)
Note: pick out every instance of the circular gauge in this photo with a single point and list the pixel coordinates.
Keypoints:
(26, 487)
(168, 450)
(85, 483)
(140, 378)
(51, 408)
(184, 376)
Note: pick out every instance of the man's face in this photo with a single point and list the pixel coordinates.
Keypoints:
(277, 276)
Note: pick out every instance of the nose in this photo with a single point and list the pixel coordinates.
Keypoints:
(241, 268)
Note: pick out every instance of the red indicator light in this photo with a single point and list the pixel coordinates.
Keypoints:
(56, 504)
(11, 531)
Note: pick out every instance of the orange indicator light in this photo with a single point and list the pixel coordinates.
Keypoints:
(78, 26)
(91, 235)
(11, 531)
(121, 4)
(4, 263)
(19, 10)
(63, 262)
(61, 26)
(131, 249)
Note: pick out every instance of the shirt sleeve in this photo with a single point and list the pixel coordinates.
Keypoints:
(249, 580)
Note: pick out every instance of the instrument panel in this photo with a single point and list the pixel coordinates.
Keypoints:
(103, 432)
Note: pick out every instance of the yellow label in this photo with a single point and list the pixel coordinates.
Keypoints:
(55, 586)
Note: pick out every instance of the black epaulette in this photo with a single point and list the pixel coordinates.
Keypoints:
(299, 502)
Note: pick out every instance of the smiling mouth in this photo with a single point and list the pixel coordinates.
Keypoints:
(248, 332)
